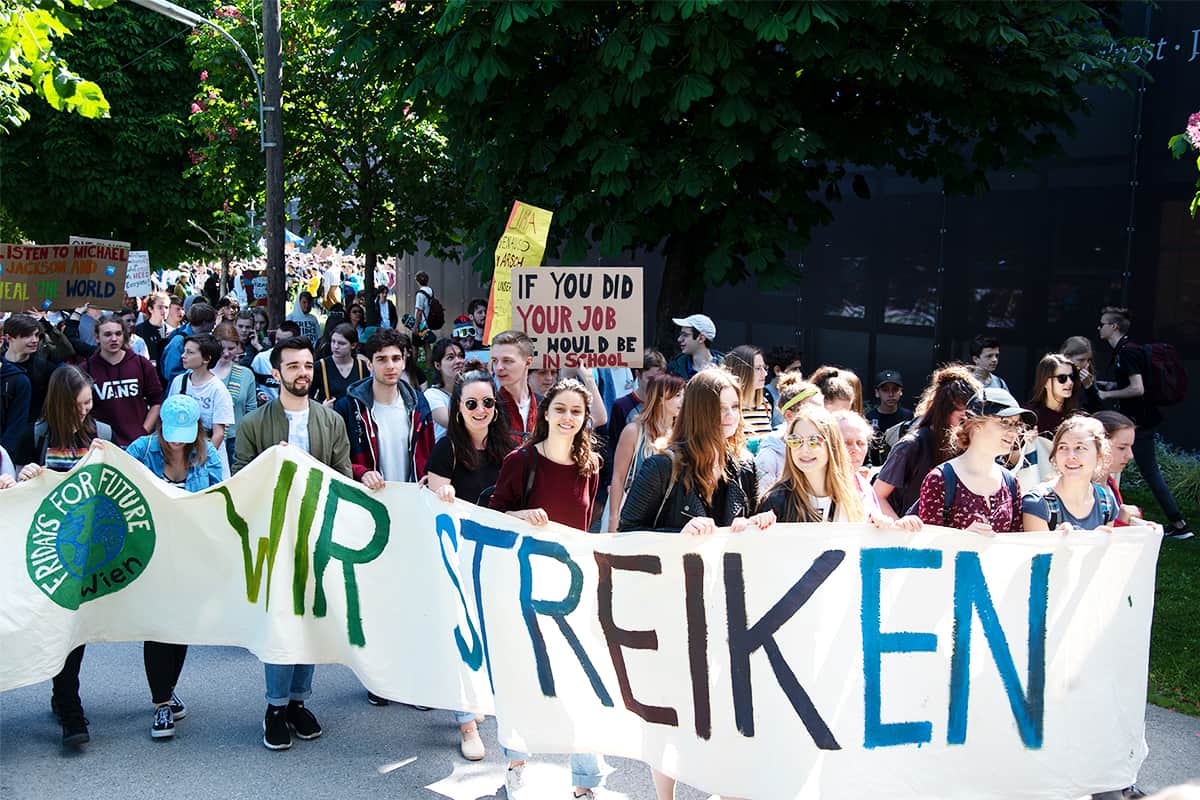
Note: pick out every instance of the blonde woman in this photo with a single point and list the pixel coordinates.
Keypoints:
(818, 483)
(747, 365)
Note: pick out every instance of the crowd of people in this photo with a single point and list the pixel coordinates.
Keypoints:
(196, 389)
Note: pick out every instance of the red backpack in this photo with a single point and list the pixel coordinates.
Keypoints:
(1165, 378)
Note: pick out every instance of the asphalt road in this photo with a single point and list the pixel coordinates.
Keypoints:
(392, 751)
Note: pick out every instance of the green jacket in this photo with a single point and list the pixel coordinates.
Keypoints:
(267, 426)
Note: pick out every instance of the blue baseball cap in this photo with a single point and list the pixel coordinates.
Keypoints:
(180, 416)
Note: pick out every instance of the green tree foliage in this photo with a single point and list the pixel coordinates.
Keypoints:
(364, 173)
(30, 63)
(121, 177)
(722, 131)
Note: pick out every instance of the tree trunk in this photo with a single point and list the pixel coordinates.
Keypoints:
(273, 123)
(681, 292)
(223, 285)
(372, 305)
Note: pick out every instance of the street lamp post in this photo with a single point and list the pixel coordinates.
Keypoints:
(268, 144)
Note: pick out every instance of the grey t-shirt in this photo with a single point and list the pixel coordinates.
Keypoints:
(1103, 512)
(298, 429)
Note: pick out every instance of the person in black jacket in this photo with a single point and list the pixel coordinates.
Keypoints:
(705, 480)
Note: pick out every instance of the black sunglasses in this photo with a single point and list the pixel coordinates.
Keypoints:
(1064, 378)
(471, 403)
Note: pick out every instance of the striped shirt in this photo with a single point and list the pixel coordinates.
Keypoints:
(757, 421)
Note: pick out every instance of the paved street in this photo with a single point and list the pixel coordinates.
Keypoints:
(366, 751)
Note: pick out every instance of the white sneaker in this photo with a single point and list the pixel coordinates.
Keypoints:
(588, 794)
(471, 747)
(514, 781)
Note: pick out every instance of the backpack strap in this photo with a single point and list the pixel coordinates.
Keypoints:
(950, 479)
(184, 383)
(325, 378)
(1054, 507)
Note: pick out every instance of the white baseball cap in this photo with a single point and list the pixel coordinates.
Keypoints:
(699, 323)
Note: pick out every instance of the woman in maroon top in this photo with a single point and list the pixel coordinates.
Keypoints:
(560, 455)
(986, 497)
(554, 478)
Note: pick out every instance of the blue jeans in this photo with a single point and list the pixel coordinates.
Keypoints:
(585, 767)
(1147, 462)
(463, 717)
(288, 682)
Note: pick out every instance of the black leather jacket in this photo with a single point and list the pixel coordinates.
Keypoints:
(655, 504)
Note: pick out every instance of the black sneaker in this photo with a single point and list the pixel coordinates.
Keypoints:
(75, 729)
(276, 735)
(164, 723)
(178, 709)
(1178, 534)
(302, 720)
(376, 700)
(416, 707)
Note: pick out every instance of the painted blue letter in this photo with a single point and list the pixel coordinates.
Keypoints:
(877, 733)
(484, 537)
(971, 592)
(472, 654)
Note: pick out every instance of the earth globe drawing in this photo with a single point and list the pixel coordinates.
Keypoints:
(90, 536)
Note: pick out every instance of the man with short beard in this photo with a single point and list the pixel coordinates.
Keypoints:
(295, 420)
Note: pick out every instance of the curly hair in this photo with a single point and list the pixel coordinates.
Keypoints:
(584, 450)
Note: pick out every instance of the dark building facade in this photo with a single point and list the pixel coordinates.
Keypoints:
(906, 279)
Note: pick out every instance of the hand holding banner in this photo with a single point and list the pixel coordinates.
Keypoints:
(804, 661)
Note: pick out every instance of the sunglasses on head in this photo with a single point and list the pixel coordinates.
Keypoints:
(1064, 378)
(471, 403)
(794, 440)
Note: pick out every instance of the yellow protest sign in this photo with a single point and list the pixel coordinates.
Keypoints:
(522, 245)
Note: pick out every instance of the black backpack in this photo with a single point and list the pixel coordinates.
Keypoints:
(436, 317)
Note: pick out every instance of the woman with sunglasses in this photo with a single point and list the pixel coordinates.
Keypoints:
(794, 394)
(357, 317)
(703, 481)
(1056, 392)
(1074, 498)
(1079, 350)
(448, 359)
(818, 483)
(971, 491)
(466, 463)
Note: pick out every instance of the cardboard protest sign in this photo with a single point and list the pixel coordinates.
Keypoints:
(804, 661)
(580, 316)
(522, 245)
(137, 274)
(259, 287)
(63, 275)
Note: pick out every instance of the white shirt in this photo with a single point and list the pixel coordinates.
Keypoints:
(384, 321)
(392, 433)
(297, 428)
(216, 406)
(437, 398)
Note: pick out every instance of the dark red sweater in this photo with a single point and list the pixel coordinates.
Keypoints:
(566, 496)
(125, 392)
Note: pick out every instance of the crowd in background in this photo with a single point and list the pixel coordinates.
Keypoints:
(195, 387)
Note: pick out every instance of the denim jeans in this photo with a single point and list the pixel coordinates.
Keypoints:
(585, 767)
(1147, 462)
(463, 717)
(288, 682)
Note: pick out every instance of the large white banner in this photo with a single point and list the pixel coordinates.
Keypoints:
(810, 661)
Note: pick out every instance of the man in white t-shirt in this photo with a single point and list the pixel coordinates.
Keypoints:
(297, 421)
(389, 423)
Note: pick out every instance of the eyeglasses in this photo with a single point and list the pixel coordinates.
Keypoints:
(795, 440)
(1065, 378)
(464, 332)
(471, 403)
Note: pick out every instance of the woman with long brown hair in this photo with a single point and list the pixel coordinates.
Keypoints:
(747, 365)
(1056, 392)
(554, 478)
(61, 438)
(703, 481)
(1079, 350)
(928, 443)
(643, 437)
